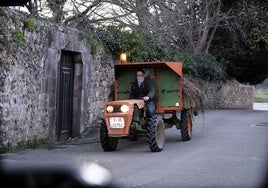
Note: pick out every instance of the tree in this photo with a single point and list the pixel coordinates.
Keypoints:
(32, 7)
(56, 6)
(246, 40)
(226, 29)
(185, 25)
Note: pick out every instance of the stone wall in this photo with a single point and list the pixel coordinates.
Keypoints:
(229, 95)
(30, 52)
(30, 55)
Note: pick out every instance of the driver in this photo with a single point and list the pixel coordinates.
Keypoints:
(143, 88)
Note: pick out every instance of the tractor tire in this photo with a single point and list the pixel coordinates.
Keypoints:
(107, 143)
(156, 134)
(186, 125)
(133, 132)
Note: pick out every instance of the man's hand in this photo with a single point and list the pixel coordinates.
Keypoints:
(146, 98)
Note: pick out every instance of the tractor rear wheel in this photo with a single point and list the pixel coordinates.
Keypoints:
(156, 134)
(107, 143)
(186, 125)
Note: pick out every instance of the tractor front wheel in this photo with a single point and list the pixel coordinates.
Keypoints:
(156, 134)
(107, 143)
(186, 125)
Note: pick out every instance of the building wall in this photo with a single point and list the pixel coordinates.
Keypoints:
(30, 52)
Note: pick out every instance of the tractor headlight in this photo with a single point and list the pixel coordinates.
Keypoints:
(124, 108)
(110, 109)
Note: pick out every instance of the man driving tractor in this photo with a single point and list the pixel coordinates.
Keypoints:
(143, 88)
(139, 111)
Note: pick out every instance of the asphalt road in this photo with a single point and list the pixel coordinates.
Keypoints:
(229, 148)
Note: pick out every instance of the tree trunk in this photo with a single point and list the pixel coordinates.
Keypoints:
(32, 7)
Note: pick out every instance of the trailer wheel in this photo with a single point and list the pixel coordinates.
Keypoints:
(156, 134)
(107, 143)
(186, 125)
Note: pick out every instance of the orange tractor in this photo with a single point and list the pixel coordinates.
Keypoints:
(125, 118)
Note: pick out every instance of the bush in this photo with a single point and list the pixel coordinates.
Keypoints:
(209, 68)
(19, 37)
(140, 48)
(29, 24)
(119, 41)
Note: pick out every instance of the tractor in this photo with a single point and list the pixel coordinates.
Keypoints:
(126, 118)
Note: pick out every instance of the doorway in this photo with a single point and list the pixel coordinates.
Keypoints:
(65, 96)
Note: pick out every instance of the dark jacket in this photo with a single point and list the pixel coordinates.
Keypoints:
(146, 89)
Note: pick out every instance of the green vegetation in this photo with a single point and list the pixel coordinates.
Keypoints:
(30, 144)
(209, 68)
(37, 53)
(96, 47)
(261, 95)
(19, 37)
(29, 24)
(140, 48)
(251, 68)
